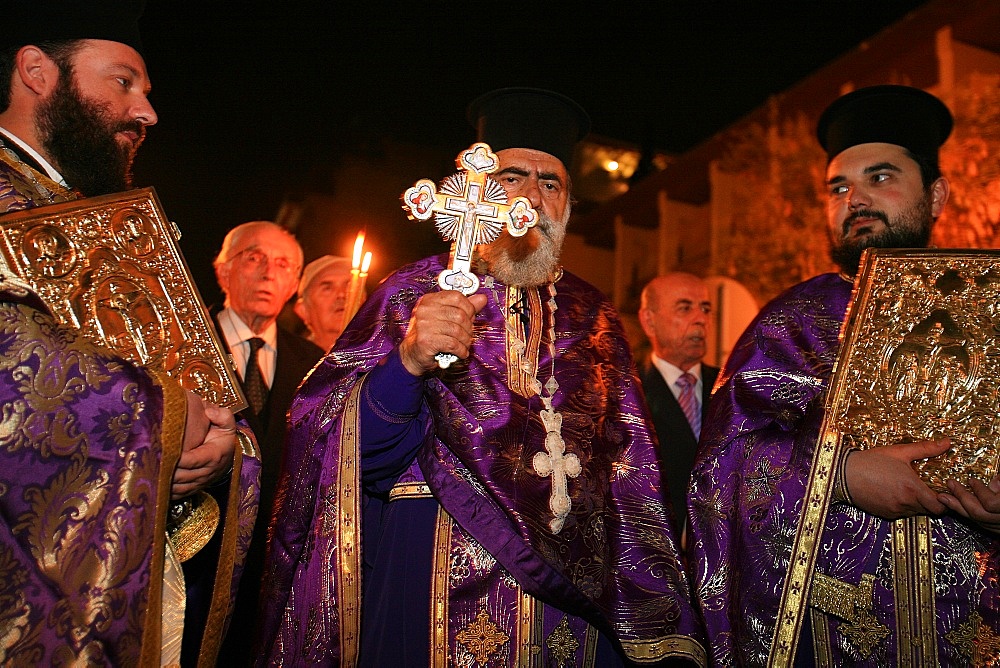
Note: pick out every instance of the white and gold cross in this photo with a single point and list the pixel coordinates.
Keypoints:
(470, 209)
(561, 466)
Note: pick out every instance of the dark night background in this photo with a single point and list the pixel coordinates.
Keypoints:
(257, 100)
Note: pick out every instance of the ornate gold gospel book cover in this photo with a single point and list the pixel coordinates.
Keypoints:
(920, 359)
(110, 267)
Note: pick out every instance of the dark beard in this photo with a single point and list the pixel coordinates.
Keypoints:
(911, 229)
(80, 140)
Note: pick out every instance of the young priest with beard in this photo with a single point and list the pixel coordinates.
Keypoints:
(902, 575)
(94, 447)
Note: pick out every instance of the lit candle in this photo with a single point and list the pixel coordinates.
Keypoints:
(364, 268)
(363, 278)
(359, 275)
(359, 244)
(354, 287)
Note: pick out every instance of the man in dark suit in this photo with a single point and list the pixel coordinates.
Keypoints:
(258, 270)
(674, 314)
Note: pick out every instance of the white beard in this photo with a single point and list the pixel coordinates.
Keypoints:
(530, 260)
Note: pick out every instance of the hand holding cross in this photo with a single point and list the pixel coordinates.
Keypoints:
(470, 209)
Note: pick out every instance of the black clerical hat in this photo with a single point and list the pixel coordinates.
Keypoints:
(901, 115)
(34, 21)
(529, 118)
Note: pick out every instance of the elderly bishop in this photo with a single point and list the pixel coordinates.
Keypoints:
(505, 510)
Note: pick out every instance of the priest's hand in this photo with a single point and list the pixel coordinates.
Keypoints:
(442, 322)
(883, 482)
(209, 445)
(978, 502)
(196, 423)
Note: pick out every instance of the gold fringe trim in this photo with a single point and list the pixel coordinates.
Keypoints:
(171, 442)
(222, 589)
(348, 528)
(439, 590)
(913, 572)
(794, 595)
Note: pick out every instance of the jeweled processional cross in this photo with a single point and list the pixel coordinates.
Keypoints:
(469, 209)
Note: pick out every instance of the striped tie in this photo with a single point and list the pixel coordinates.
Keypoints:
(689, 403)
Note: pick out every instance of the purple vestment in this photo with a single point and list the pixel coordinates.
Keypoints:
(919, 591)
(87, 453)
(504, 585)
(87, 463)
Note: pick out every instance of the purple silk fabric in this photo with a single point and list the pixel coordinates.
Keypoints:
(478, 442)
(80, 450)
(748, 484)
(89, 416)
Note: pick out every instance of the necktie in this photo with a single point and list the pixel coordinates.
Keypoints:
(689, 403)
(253, 379)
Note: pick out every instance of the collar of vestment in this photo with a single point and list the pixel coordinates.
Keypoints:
(19, 157)
(31, 157)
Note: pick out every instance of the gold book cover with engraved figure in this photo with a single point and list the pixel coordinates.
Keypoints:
(110, 266)
(920, 359)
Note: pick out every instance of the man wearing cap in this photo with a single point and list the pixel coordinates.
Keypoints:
(504, 511)
(94, 446)
(882, 590)
(322, 297)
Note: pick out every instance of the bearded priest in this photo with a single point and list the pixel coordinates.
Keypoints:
(506, 510)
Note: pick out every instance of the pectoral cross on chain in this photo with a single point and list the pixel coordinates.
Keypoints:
(470, 209)
(561, 466)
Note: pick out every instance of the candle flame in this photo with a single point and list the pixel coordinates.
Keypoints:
(356, 288)
(358, 245)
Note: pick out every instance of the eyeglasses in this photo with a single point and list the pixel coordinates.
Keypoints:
(258, 259)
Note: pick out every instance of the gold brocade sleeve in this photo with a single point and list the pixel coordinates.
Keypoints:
(171, 440)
